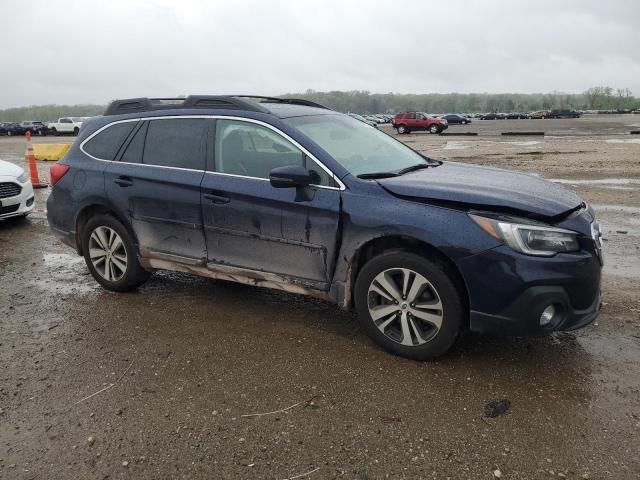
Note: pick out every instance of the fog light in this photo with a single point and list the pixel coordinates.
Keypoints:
(547, 315)
(29, 202)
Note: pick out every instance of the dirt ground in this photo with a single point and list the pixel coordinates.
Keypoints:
(157, 383)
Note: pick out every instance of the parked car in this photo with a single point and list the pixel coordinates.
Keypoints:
(363, 120)
(408, 122)
(455, 118)
(279, 194)
(539, 114)
(564, 113)
(12, 129)
(489, 116)
(35, 127)
(16, 192)
(66, 125)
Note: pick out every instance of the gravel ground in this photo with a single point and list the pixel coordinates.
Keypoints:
(156, 384)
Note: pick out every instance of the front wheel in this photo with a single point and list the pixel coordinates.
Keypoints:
(110, 254)
(409, 305)
(76, 131)
(402, 129)
(55, 132)
(434, 129)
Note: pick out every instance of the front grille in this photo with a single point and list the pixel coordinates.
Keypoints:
(9, 209)
(9, 189)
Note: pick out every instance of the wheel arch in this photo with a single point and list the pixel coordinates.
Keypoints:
(389, 243)
(92, 209)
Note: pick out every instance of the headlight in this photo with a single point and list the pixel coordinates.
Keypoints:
(530, 239)
(24, 176)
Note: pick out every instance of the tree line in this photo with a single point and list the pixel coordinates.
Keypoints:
(595, 98)
(359, 101)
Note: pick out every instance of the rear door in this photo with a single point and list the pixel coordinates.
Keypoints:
(157, 183)
(249, 224)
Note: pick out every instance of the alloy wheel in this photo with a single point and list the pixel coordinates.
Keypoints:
(405, 306)
(108, 253)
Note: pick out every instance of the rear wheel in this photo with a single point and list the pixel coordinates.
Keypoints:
(76, 131)
(434, 129)
(55, 132)
(110, 254)
(409, 305)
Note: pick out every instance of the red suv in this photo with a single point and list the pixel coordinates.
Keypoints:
(407, 122)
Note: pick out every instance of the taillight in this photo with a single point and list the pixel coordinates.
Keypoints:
(58, 171)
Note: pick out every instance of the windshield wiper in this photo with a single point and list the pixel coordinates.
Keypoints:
(413, 168)
(367, 176)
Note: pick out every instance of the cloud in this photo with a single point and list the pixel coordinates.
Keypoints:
(94, 51)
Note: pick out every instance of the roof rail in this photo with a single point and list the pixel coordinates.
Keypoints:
(144, 104)
(290, 101)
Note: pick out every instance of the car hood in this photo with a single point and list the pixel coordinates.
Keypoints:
(484, 188)
(8, 169)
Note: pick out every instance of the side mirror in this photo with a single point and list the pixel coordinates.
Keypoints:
(291, 176)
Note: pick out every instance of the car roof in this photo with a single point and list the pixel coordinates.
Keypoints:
(280, 107)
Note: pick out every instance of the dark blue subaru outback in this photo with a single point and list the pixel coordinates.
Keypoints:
(286, 194)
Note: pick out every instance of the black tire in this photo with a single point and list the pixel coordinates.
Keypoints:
(452, 300)
(134, 275)
(76, 131)
(464, 122)
(402, 130)
(54, 131)
(433, 129)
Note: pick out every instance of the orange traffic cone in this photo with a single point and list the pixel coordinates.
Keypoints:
(33, 170)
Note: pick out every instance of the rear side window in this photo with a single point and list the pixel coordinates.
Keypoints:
(105, 145)
(176, 142)
(133, 153)
(411, 116)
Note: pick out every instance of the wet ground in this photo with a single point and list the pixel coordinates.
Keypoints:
(156, 384)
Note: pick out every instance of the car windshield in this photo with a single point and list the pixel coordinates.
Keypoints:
(356, 146)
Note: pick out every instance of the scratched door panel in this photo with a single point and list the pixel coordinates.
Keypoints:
(264, 228)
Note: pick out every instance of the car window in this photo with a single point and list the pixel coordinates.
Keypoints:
(133, 153)
(357, 147)
(65, 120)
(178, 143)
(251, 150)
(411, 115)
(105, 145)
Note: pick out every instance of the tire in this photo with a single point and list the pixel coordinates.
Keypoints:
(433, 129)
(464, 122)
(76, 131)
(95, 235)
(426, 340)
(9, 133)
(55, 133)
(402, 129)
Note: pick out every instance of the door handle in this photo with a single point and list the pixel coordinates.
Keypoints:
(123, 181)
(213, 198)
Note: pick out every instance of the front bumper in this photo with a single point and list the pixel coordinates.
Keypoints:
(18, 205)
(523, 315)
(508, 291)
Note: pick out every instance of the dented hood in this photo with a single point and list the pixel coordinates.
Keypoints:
(484, 188)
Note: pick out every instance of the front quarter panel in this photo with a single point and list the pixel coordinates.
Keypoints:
(370, 212)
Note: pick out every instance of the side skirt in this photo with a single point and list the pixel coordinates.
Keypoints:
(238, 275)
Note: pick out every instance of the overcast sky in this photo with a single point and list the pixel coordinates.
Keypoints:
(94, 51)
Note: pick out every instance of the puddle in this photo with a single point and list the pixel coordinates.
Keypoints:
(67, 274)
(603, 181)
(619, 140)
(525, 143)
(455, 146)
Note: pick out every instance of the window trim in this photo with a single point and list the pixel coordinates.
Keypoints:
(341, 186)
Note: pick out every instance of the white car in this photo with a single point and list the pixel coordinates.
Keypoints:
(16, 192)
